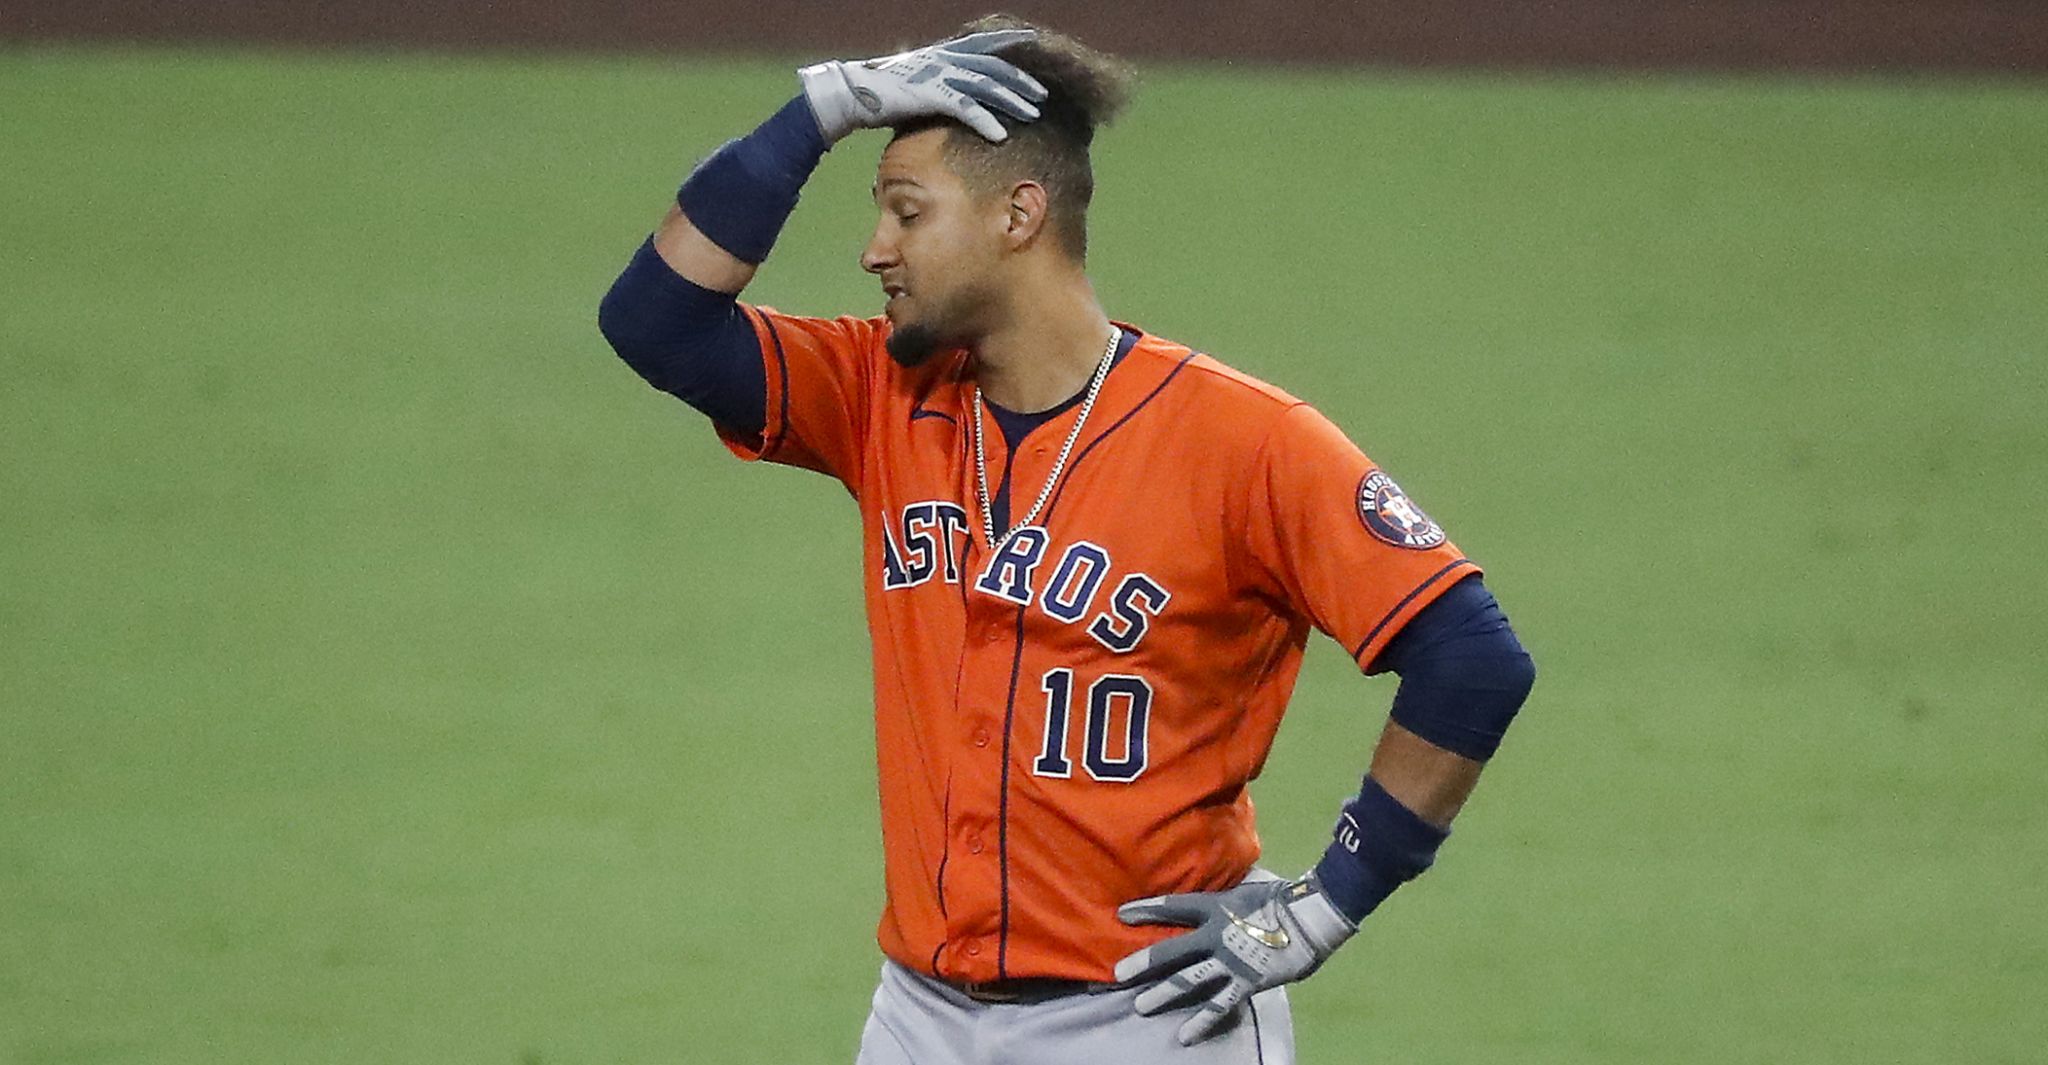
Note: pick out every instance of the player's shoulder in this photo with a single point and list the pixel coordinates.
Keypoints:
(1222, 392)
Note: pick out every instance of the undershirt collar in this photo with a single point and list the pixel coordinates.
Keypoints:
(1016, 426)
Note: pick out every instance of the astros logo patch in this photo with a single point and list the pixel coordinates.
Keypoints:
(1389, 514)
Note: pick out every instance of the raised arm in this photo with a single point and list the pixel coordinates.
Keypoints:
(672, 314)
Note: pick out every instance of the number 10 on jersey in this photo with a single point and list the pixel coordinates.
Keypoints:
(1119, 707)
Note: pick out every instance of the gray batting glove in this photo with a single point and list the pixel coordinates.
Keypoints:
(1260, 934)
(959, 79)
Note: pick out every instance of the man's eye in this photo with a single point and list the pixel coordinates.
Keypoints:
(906, 217)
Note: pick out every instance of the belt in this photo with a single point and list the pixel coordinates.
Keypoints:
(1026, 990)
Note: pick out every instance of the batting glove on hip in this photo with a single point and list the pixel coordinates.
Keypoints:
(1260, 934)
(959, 79)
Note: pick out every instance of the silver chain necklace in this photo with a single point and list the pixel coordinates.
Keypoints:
(988, 521)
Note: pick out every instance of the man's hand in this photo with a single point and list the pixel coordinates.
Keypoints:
(958, 79)
(1260, 934)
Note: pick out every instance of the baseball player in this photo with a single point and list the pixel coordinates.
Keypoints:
(1091, 559)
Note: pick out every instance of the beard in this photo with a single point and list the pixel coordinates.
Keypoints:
(954, 323)
(914, 345)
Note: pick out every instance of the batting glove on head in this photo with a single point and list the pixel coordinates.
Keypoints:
(1260, 934)
(959, 79)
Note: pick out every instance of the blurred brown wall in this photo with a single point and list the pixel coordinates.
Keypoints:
(1831, 35)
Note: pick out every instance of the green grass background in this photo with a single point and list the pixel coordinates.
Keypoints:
(387, 676)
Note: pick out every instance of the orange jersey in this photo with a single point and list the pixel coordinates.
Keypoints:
(1070, 722)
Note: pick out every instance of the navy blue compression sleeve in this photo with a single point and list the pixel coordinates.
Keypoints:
(741, 194)
(1463, 677)
(1463, 672)
(688, 341)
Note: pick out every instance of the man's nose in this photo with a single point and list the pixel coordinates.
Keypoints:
(877, 256)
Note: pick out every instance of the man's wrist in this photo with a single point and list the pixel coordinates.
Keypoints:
(740, 195)
(1377, 846)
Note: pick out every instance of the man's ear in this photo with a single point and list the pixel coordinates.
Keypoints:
(1026, 215)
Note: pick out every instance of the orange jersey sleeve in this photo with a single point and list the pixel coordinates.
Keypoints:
(820, 385)
(1331, 534)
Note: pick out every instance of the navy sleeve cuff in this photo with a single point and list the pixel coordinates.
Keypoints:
(740, 195)
(1378, 845)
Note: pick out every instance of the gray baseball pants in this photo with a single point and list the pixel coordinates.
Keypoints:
(917, 1020)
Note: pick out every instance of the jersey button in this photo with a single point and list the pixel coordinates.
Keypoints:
(974, 845)
(981, 737)
(973, 950)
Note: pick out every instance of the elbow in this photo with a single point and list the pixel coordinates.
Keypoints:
(688, 341)
(610, 322)
(1465, 700)
(1500, 689)
(625, 327)
(1518, 676)
(615, 321)
(1512, 676)
(647, 317)
(610, 327)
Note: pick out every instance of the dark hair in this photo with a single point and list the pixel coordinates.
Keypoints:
(1086, 89)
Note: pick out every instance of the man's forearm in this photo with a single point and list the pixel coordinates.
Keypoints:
(1464, 676)
(1430, 781)
(692, 255)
